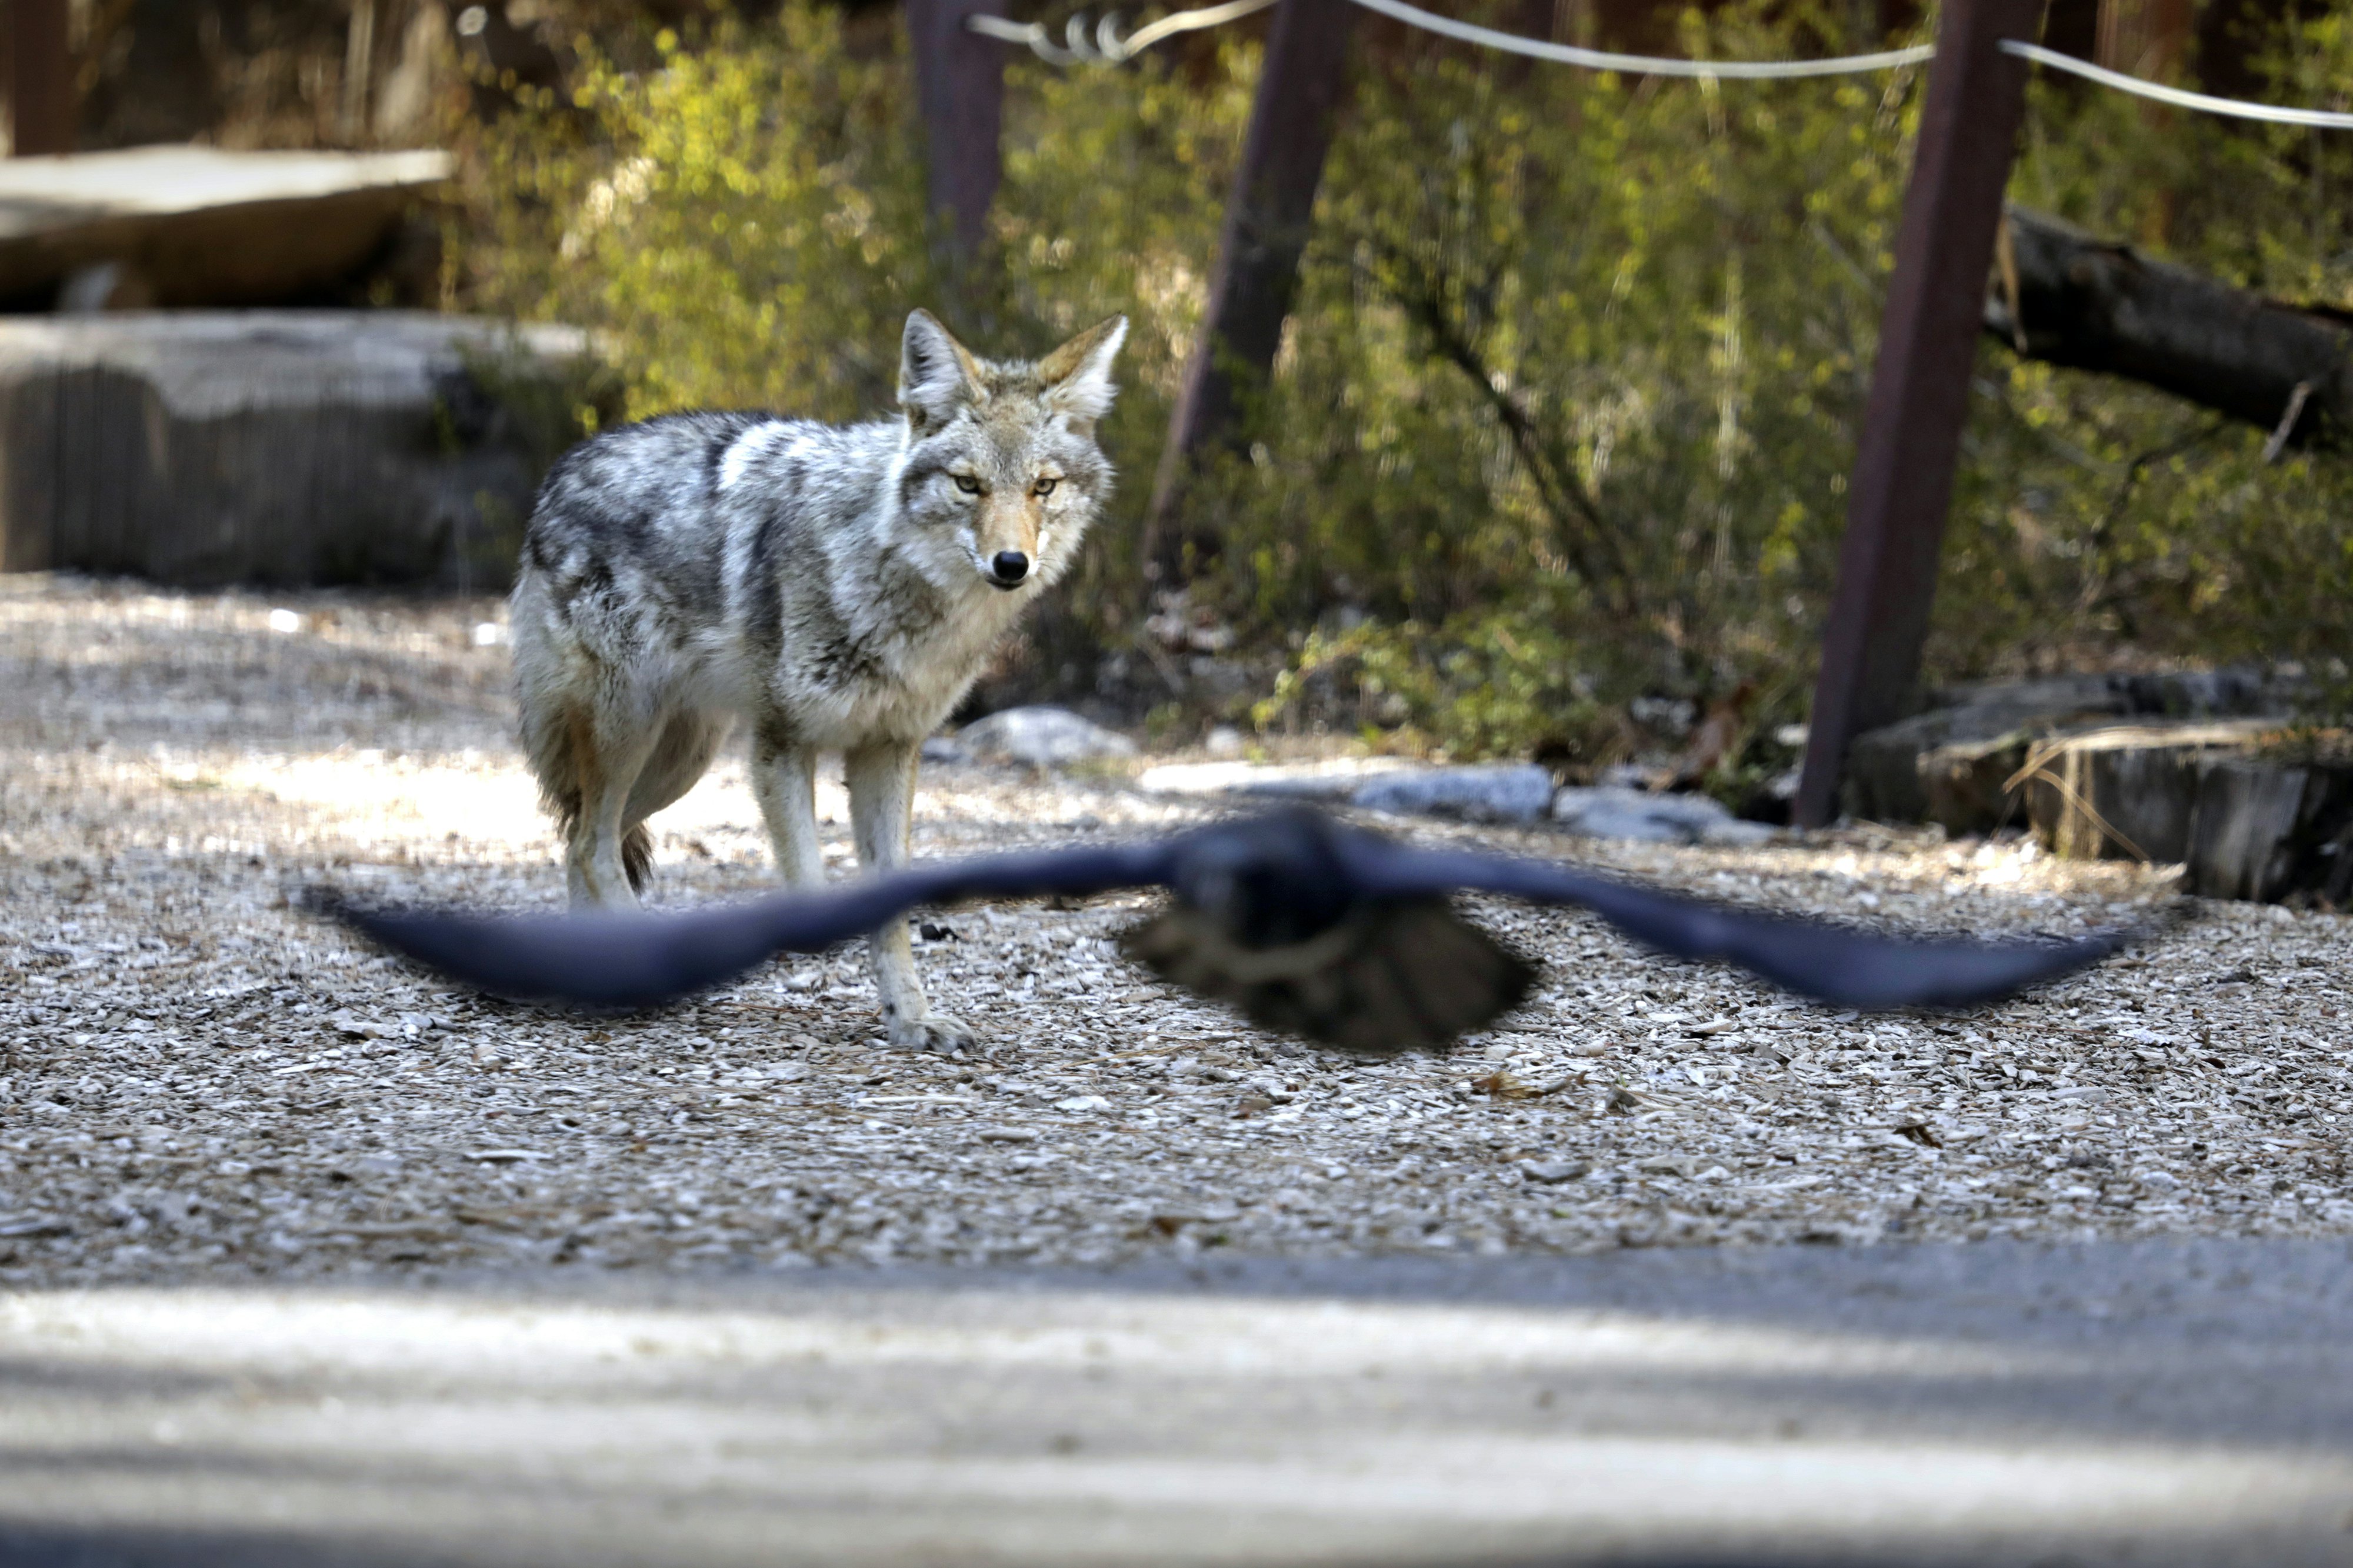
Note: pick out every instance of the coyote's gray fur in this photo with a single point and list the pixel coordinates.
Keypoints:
(837, 588)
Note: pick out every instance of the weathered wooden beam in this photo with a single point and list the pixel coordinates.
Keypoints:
(2094, 304)
(295, 447)
(205, 226)
(1300, 91)
(40, 79)
(1903, 481)
(960, 87)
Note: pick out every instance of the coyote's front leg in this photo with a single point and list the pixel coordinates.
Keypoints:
(882, 780)
(784, 781)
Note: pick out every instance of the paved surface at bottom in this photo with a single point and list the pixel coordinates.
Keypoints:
(1997, 1402)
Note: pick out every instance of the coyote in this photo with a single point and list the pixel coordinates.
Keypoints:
(837, 588)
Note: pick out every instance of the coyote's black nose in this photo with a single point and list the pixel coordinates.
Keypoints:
(1010, 566)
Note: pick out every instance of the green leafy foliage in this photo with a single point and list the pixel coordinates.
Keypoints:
(1574, 374)
(742, 224)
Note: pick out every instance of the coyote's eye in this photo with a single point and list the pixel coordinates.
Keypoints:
(1046, 486)
(967, 484)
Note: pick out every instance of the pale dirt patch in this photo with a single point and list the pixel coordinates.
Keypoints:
(199, 1081)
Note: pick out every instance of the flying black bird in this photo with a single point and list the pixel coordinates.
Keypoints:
(1305, 924)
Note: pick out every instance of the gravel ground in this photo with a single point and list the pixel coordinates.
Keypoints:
(198, 1080)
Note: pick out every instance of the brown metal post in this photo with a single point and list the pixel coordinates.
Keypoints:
(40, 79)
(960, 86)
(1903, 482)
(1300, 89)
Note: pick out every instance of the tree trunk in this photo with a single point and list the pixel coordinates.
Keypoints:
(1911, 436)
(960, 85)
(2095, 305)
(1299, 93)
(41, 78)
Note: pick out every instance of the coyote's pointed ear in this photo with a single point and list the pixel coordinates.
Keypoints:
(937, 374)
(1078, 374)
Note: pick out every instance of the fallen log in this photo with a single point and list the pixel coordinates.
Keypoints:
(2060, 295)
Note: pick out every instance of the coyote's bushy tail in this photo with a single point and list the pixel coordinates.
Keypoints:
(561, 750)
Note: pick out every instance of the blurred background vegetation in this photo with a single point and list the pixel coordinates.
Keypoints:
(1552, 460)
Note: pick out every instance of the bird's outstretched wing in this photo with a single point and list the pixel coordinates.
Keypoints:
(1827, 962)
(1306, 924)
(624, 961)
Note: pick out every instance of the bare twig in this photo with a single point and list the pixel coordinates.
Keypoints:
(1581, 528)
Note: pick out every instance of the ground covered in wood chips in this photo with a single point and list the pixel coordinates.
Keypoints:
(198, 1080)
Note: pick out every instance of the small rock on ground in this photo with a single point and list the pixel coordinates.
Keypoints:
(1610, 812)
(1511, 792)
(1042, 737)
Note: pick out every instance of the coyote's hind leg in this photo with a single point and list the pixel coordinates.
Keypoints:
(608, 751)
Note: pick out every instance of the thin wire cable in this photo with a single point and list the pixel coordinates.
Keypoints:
(1186, 21)
(1029, 33)
(2237, 107)
(1108, 48)
(1646, 65)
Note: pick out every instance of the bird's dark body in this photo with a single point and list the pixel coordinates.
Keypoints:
(1305, 923)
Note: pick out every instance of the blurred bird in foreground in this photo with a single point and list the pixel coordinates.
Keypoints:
(1304, 924)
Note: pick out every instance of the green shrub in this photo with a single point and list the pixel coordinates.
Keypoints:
(1575, 375)
(742, 224)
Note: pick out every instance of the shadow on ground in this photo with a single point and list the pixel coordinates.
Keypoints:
(2144, 1403)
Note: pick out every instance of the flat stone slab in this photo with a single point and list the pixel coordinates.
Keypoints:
(204, 225)
(285, 446)
(1331, 782)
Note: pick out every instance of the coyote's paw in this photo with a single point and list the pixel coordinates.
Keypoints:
(932, 1032)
